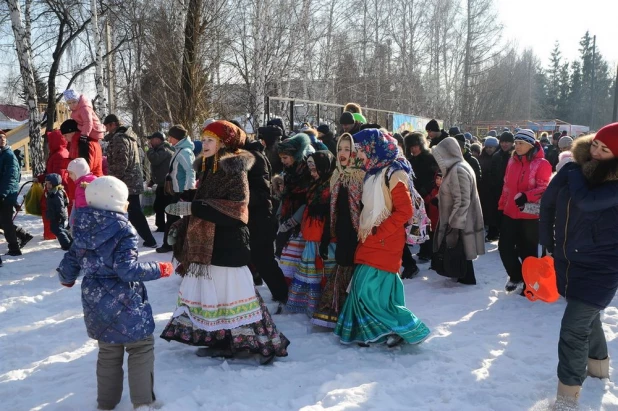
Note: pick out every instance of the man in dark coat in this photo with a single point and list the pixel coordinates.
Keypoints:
(499, 162)
(470, 159)
(485, 190)
(262, 223)
(434, 133)
(271, 136)
(159, 156)
(328, 138)
(553, 152)
(10, 174)
(124, 163)
(425, 168)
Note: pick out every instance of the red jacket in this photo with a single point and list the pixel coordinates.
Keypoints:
(87, 120)
(433, 212)
(90, 151)
(383, 249)
(528, 177)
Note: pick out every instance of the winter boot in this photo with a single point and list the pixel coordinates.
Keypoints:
(567, 398)
(513, 287)
(0, 261)
(14, 250)
(393, 341)
(598, 368)
(23, 237)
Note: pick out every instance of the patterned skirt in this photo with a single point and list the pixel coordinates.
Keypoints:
(306, 289)
(224, 311)
(333, 297)
(290, 257)
(376, 308)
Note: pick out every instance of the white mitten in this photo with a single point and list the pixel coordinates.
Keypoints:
(180, 209)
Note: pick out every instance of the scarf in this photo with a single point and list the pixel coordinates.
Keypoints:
(226, 190)
(381, 150)
(296, 181)
(351, 177)
(318, 195)
(384, 161)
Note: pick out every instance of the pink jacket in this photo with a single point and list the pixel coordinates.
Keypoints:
(87, 120)
(80, 189)
(528, 177)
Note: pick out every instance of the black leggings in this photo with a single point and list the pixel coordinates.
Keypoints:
(519, 239)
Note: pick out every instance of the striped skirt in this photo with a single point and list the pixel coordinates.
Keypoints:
(290, 257)
(306, 289)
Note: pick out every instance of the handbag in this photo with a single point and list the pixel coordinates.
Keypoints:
(532, 208)
(168, 186)
(450, 262)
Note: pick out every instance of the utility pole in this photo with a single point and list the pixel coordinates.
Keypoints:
(594, 45)
(615, 116)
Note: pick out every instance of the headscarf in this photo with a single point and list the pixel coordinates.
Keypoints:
(298, 147)
(318, 196)
(231, 137)
(382, 151)
(350, 177)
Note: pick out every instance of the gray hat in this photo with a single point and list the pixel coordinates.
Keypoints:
(565, 142)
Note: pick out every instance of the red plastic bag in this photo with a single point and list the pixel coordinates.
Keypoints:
(540, 279)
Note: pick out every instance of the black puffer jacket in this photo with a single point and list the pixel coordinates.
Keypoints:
(425, 168)
(260, 199)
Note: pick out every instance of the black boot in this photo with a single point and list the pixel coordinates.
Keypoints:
(14, 250)
(23, 237)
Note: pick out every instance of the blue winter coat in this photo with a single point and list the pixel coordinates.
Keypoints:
(9, 175)
(579, 221)
(104, 251)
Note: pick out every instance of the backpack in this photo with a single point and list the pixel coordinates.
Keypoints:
(416, 228)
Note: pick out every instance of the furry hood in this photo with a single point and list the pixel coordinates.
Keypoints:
(447, 154)
(595, 171)
(353, 108)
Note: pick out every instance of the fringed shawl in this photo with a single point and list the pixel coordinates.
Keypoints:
(226, 191)
(350, 177)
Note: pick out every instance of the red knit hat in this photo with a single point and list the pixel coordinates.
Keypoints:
(608, 135)
(229, 134)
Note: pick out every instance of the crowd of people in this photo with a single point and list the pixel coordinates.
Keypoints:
(325, 222)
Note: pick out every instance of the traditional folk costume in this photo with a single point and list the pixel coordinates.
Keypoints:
(318, 258)
(375, 310)
(290, 242)
(346, 187)
(218, 305)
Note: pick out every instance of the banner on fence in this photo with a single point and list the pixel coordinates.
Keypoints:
(403, 122)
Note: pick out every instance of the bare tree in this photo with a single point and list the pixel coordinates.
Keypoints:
(24, 53)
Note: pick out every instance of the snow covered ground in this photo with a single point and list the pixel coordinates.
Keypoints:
(487, 351)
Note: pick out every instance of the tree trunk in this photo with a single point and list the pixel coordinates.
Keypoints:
(100, 104)
(24, 54)
(189, 64)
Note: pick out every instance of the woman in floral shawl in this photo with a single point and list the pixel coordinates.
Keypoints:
(346, 187)
(375, 310)
(318, 259)
(218, 305)
(296, 180)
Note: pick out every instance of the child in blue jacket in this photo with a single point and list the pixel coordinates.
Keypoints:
(57, 214)
(116, 308)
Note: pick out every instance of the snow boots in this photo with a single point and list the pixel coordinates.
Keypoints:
(567, 398)
(23, 237)
(598, 368)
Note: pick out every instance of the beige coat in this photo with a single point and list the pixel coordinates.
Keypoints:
(459, 203)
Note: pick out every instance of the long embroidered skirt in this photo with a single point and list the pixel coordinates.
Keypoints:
(306, 289)
(224, 311)
(333, 297)
(290, 256)
(376, 308)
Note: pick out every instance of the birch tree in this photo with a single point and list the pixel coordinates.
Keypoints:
(24, 53)
(100, 102)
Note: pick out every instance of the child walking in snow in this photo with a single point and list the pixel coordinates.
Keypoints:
(79, 172)
(318, 258)
(375, 310)
(116, 308)
(346, 187)
(56, 213)
(296, 180)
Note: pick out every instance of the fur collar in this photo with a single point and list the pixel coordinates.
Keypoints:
(238, 162)
(595, 171)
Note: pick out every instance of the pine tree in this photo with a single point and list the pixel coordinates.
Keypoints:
(553, 81)
(562, 110)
